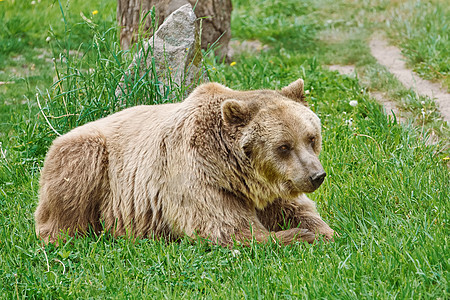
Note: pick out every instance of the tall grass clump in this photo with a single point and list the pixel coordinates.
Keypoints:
(99, 81)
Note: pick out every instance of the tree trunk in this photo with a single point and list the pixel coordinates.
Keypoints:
(129, 15)
(215, 15)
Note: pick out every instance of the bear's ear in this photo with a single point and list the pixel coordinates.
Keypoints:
(294, 91)
(235, 112)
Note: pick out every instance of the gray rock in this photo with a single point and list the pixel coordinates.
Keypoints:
(174, 51)
(215, 16)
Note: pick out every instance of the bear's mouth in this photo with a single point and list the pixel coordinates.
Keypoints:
(292, 189)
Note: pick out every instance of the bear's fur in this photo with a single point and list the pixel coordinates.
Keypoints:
(223, 165)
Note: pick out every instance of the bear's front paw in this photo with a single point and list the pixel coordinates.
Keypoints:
(295, 234)
(328, 233)
(306, 235)
(324, 234)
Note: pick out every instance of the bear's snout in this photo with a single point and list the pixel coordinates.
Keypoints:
(317, 179)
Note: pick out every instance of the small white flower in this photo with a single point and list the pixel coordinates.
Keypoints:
(349, 122)
(353, 103)
(235, 252)
(48, 39)
(33, 2)
(204, 275)
(422, 102)
(307, 92)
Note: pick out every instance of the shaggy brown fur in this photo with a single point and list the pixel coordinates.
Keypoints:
(223, 165)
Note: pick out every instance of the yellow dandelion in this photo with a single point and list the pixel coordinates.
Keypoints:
(214, 68)
(233, 63)
(95, 12)
(446, 158)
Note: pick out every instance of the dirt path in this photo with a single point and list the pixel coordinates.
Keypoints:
(346, 70)
(391, 57)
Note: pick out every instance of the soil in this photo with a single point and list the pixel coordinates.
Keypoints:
(236, 47)
(391, 57)
(388, 105)
(345, 70)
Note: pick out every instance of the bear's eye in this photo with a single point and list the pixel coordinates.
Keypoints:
(284, 149)
(312, 141)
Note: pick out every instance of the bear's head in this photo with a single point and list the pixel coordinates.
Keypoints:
(279, 136)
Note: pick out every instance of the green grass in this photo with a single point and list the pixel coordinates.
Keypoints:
(386, 192)
(345, 28)
(26, 56)
(422, 30)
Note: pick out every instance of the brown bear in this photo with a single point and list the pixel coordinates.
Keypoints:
(222, 165)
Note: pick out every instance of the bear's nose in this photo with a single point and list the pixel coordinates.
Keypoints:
(317, 179)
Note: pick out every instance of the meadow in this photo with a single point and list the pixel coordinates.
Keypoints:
(387, 190)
